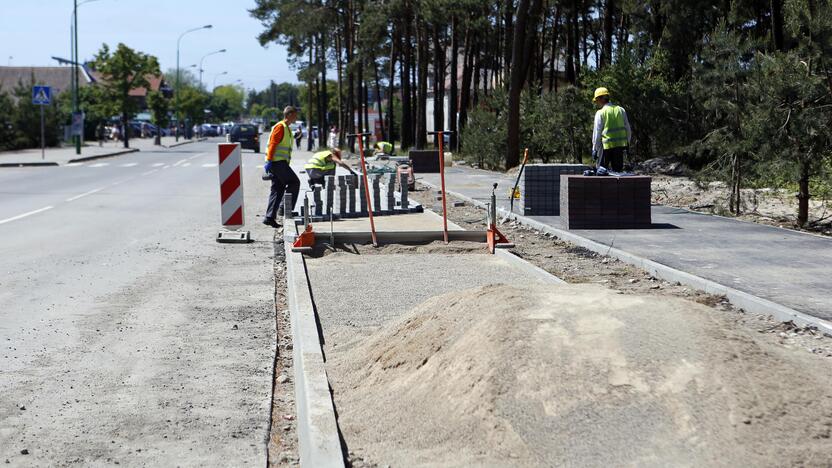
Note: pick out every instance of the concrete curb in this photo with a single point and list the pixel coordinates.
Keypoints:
(31, 164)
(748, 302)
(102, 156)
(319, 443)
(186, 142)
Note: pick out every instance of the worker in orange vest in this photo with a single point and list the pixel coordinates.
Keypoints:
(278, 157)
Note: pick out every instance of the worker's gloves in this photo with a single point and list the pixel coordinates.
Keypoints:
(267, 167)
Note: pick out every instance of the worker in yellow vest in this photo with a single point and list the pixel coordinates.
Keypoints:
(278, 157)
(611, 132)
(383, 147)
(322, 164)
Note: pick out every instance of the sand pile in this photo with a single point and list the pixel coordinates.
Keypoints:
(578, 376)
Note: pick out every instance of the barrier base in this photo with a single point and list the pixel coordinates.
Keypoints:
(234, 237)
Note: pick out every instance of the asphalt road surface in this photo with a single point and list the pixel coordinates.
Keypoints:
(128, 334)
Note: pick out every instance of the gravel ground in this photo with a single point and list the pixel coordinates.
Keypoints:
(283, 440)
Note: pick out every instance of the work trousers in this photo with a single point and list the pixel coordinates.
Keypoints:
(614, 159)
(284, 180)
(317, 176)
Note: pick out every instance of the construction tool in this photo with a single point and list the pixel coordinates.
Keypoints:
(366, 185)
(441, 135)
(514, 194)
(493, 236)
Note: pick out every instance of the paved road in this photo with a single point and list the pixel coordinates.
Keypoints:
(787, 267)
(128, 334)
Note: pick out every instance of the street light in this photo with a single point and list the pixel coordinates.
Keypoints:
(73, 41)
(203, 58)
(176, 100)
(217, 76)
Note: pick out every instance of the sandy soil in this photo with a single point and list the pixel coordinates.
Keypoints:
(579, 375)
(775, 207)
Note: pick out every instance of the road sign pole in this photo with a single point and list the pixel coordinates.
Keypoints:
(42, 135)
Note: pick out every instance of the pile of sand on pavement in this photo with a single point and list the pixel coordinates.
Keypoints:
(578, 376)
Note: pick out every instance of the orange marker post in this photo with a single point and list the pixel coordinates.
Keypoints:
(441, 135)
(366, 185)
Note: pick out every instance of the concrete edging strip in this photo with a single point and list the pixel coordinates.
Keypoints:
(29, 164)
(319, 444)
(102, 156)
(748, 302)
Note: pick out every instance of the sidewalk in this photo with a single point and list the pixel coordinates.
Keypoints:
(66, 154)
(789, 268)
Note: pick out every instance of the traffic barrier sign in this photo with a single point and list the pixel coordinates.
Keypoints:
(231, 192)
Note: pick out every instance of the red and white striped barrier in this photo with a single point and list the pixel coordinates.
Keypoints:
(231, 185)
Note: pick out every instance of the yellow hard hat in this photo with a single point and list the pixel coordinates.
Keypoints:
(600, 92)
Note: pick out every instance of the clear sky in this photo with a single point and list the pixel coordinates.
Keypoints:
(32, 31)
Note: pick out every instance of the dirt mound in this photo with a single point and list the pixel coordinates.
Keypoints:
(578, 376)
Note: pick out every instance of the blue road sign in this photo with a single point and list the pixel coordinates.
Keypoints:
(41, 95)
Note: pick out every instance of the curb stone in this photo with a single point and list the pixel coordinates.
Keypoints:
(102, 156)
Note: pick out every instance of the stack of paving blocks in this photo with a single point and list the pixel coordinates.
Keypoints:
(424, 161)
(540, 187)
(605, 202)
(343, 197)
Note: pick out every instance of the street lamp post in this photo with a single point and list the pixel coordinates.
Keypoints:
(214, 85)
(203, 58)
(176, 100)
(75, 83)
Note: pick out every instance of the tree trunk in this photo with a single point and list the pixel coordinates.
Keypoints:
(125, 129)
(438, 83)
(803, 194)
(349, 114)
(571, 76)
(323, 129)
(421, 99)
(520, 59)
(339, 74)
(476, 59)
(508, 50)
(453, 101)
(606, 50)
(391, 119)
(404, 77)
(553, 70)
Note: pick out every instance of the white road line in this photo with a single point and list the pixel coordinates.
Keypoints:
(179, 162)
(129, 164)
(14, 218)
(158, 164)
(197, 155)
(85, 194)
(210, 165)
(186, 164)
(150, 172)
(165, 167)
(75, 164)
(99, 164)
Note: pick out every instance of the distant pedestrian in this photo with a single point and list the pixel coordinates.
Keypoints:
(611, 132)
(298, 136)
(278, 157)
(333, 137)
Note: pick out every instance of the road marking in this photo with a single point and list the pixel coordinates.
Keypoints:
(85, 194)
(99, 164)
(150, 172)
(158, 164)
(186, 164)
(14, 218)
(75, 164)
(210, 165)
(129, 164)
(179, 162)
(197, 155)
(165, 167)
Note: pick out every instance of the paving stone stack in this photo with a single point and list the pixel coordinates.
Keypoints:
(424, 161)
(605, 202)
(343, 197)
(540, 187)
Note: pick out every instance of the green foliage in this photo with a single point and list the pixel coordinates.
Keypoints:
(557, 127)
(20, 119)
(226, 102)
(483, 140)
(192, 104)
(159, 107)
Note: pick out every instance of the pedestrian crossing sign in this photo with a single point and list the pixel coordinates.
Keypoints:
(41, 95)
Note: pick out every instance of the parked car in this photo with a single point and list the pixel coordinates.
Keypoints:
(247, 135)
(208, 130)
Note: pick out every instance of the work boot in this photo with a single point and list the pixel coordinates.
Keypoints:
(270, 222)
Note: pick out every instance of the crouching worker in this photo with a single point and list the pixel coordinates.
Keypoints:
(322, 164)
(383, 147)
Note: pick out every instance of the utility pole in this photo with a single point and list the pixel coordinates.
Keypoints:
(176, 92)
(75, 82)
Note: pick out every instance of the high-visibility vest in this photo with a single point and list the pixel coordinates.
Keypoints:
(614, 134)
(320, 160)
(283, 151)
(384, 147)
